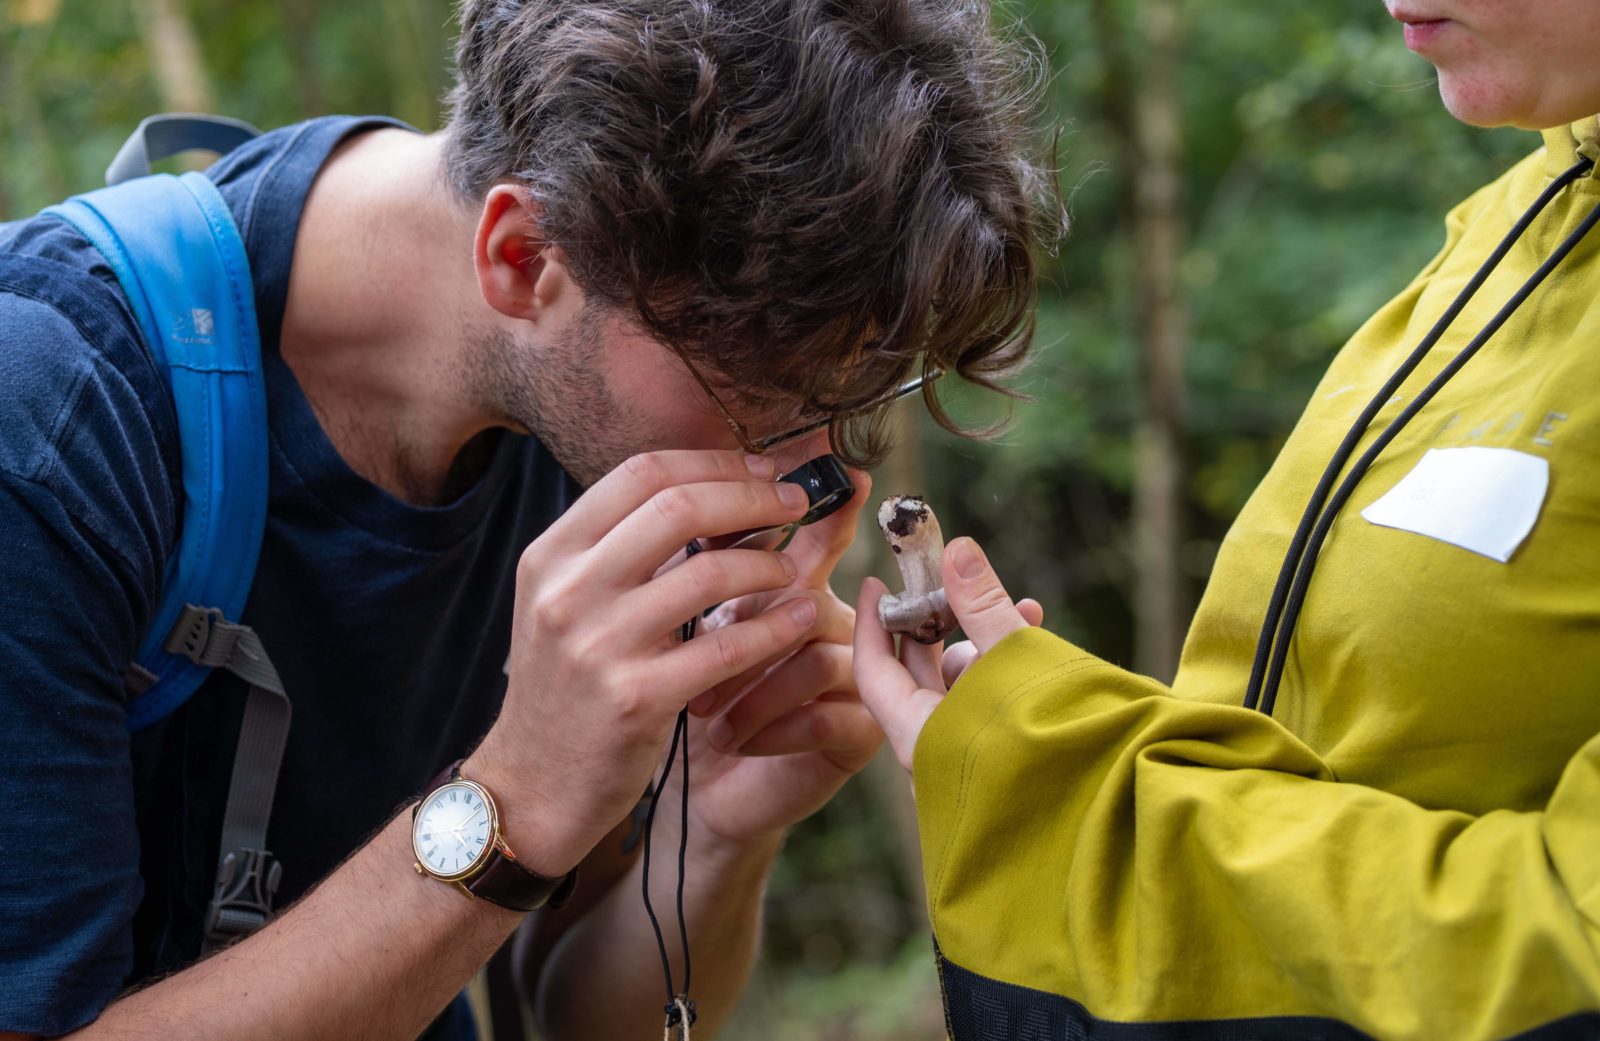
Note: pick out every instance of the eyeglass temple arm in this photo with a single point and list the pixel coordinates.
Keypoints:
(910, 387)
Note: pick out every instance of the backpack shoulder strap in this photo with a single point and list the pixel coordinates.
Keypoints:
(182, 265)
(158, 137)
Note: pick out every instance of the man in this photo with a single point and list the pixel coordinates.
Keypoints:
(646, 227)
(1378, 817)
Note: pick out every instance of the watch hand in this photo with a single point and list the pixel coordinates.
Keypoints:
(461, 839)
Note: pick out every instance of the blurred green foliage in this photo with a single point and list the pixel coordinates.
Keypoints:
(1317, 166)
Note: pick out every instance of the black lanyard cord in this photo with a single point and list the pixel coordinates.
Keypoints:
(1294, 577)
(678, 1008)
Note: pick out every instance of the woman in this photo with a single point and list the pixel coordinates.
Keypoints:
(1369, 804)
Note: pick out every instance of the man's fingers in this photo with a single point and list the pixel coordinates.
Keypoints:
(623, 490)
(979, 601)
(836, 625)
(704, 580)
(818, 547)
(813, 670)
(843, 730)
(634, 549)
(887, 688)
(721, 654)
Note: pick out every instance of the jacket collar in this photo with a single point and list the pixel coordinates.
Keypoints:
(1564, 144)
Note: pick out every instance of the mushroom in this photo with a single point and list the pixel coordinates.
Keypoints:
(922, 612)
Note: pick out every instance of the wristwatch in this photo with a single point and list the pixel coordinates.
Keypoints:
(455, 835)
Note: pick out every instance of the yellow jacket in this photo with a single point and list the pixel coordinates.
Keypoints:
(1410, 846)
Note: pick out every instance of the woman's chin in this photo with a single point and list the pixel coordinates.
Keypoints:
(1480, 101)
(1488, 101)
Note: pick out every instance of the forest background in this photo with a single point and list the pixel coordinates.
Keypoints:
(1247, 182)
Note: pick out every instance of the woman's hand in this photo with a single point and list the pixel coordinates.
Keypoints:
(902, 692)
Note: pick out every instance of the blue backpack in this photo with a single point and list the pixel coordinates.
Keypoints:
(182, 265)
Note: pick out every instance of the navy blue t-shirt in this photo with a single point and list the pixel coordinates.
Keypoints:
(389, 623)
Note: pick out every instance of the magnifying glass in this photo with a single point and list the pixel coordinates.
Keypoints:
(827, 487)
(827, 484)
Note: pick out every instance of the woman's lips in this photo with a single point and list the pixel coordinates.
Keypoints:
(1419, 34)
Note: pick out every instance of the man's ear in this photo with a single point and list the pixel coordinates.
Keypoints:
(519, 273)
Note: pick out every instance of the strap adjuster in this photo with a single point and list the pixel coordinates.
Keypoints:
(242, 901)
(192, 634)
(206, 637)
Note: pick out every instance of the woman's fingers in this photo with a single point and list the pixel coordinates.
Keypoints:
(981, 604)
(888, 690)
(922, 660)
(958, 657)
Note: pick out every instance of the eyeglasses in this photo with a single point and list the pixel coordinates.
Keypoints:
(763, 445)
(828, 485)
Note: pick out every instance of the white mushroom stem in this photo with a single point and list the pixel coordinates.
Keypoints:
(912, 531)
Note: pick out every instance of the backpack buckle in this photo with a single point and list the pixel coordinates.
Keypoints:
(193, 632)
(242, 900)
(206, 637)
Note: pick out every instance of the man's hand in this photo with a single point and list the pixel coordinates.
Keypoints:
(596, 676)
(769, 746)
(903, 691)
(782, 737)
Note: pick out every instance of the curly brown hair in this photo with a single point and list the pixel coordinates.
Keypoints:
(812, 197)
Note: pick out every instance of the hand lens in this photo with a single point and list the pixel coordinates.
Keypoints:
(827, 486)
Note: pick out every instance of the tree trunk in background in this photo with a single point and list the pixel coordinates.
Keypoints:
(300, 17)
(27, 132)
(416, 60)
(10, 140)
(175, 56)
(1160, 604)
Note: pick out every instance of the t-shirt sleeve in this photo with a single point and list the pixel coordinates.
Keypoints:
(86, 516)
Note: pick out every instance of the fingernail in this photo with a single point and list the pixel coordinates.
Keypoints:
(789, 567)
(792, 495)
(761, 466)
(967, 557)
(720, 733)
(803, 611)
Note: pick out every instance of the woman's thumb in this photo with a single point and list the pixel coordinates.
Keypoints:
(979, 601)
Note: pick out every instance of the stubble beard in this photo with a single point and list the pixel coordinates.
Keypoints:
(558, 394)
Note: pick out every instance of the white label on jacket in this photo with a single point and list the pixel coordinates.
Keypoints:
(1482, 499)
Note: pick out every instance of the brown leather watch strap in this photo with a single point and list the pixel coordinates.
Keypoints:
(502, 880)
(505, 882)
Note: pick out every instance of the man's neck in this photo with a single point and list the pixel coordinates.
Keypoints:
(379, 293)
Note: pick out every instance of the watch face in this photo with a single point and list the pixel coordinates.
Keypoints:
(453, 830)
